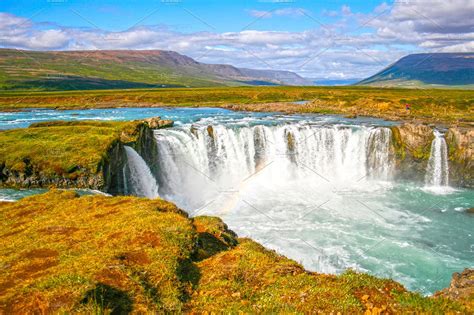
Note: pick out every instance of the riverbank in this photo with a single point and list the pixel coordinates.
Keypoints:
(427, 106)
(128, 254)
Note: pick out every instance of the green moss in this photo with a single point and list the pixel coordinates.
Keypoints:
(422, 153)
(397, 143)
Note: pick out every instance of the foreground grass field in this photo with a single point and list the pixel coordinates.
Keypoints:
(60, 253)
(444, 106)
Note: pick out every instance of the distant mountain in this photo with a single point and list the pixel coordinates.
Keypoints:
(109, 69)
(288, 77)
(437, 69)
(333, 82)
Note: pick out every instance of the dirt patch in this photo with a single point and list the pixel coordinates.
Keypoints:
(4, 286)
(41, 253)
(29, 271)
(147, 238)
(62, 230)
(113, 277)
(13, 233)
(101, 215)
(135, 258)
(24, 213)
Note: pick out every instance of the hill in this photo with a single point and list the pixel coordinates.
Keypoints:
(112, 69)
(62, 253)
(437, 69)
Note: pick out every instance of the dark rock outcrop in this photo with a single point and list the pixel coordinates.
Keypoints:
(460, 143)
(411, 144)
(144, 143)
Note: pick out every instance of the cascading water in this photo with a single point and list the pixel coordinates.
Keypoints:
(437, 172)
(139, 180)
(196, 165)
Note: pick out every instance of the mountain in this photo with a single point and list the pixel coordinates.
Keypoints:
(288, 77)
(437, 69)
(109, 69)
(333, 82)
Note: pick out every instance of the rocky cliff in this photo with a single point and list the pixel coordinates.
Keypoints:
(460, 143)
(411, 144)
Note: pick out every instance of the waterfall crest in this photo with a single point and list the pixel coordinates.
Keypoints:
(437, 172)
(197, 163)
(139, 180)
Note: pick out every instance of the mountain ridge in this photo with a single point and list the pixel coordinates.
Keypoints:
(98, 69)
(426, 69)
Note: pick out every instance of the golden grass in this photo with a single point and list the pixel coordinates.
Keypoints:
(60, 253)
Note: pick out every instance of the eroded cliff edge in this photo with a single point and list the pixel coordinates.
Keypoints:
(85, 154)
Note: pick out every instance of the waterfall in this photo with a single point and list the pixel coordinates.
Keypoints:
(198, 163)
(437, 171)
(379, 162)
(139, 180)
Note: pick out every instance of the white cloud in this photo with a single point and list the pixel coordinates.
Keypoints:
(377, 39)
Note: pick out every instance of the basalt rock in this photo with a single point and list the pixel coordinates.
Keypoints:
(157, 122)
(210, 132)
(460, 143)
(142, 141)
(411, 144)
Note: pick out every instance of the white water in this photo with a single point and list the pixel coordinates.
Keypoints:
(138, 177)
(437, 171)
(196, 168)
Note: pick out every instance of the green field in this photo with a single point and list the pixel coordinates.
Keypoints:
(435, 105)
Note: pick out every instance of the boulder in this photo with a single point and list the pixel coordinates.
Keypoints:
(157, 122)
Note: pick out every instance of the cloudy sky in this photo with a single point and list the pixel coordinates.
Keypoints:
(328, 39)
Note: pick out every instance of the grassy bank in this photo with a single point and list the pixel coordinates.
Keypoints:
(96, 254)
(61, 148)
(435, 105)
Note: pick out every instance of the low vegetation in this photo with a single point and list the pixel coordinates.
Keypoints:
(446, 106)
(62, 148)
(61, 253)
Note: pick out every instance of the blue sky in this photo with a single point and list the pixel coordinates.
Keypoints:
(321, 39)
(221, 15)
